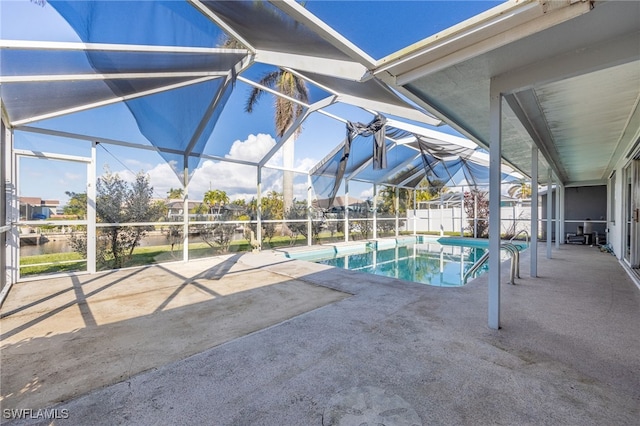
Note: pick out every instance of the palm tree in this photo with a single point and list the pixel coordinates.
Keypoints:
(430, 189)
(173, 194)
(216, 197)
(521, 190)
(286, 112)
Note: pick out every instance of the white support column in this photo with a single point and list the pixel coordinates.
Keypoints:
(462, 214)
(346, 211)
(11, 211)
(495, 152)
(557, 212)
(259, 206)
(185, 211)
(549, 211)
(92, 232)
(396, 207)
(375, 211)
(309, 218)
(415, 219)
(534, 212)
(561, 216)
(475, 215)
(4, 222)
(441, 206)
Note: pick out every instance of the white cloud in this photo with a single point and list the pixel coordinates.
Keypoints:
(254, 148)
(137, 164)
(305, 164)
(237, 180)
(72, 176)
(162, 178)
(367, 193)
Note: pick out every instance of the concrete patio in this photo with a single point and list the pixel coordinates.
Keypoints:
(255, 339)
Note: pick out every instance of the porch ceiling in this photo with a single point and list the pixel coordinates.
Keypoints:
(572, 90)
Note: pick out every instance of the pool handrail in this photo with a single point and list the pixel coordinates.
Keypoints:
(515, 263)
(522, 231)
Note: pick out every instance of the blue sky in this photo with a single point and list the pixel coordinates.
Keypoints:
(372, 25)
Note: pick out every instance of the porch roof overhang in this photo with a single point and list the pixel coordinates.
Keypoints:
(569, 73)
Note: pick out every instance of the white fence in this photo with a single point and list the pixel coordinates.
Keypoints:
(513, 219)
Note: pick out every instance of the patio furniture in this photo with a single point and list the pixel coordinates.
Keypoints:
(578, 237)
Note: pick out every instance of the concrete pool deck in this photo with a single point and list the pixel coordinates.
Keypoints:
(355, 348)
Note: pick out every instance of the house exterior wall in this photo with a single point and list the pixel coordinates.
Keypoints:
(580, 203)
(616, 201)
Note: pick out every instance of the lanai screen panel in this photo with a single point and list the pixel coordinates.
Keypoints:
(371, 94)
(27, 100)
(52, 72)
(371, 89)
(396, 156)
(157, 23)
(409, 176)
(409, 162)
(183, 118)
(323, 175)
(266, 27)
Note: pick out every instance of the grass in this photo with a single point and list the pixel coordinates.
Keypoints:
(26, 270)
(50, 263)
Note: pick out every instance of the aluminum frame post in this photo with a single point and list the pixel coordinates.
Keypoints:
(557, 217)
(346, 211)
(259, 206)
(309, 218)
(92, 231)
(549, 211)
(415, 219)
(562, 214)
(375, 211)
(11, 210)
(534, 213)
(185, 211)
(495, 157)
(397, 209)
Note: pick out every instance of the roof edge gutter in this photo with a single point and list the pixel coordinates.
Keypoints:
(488, 31)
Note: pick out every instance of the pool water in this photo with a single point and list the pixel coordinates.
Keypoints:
(441, 262)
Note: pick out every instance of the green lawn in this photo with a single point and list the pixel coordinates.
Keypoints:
(155, 254)
(143, 255)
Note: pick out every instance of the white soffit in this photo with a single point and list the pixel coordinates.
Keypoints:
(487, 31)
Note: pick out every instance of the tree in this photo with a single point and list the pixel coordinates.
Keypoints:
(174, 194)
(299, 211)
(272, 208)
(425, 191)
(428, 190)
(477, 201)
(161, 207)
(217, 234)
(200, 209)
(77, 205)
(286, 112)
(239, 202)
(217, 198)
(521, 190)
(118, 202)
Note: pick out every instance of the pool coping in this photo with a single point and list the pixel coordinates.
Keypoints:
(351, 247)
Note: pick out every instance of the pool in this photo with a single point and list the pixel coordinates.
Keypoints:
(437, 261)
